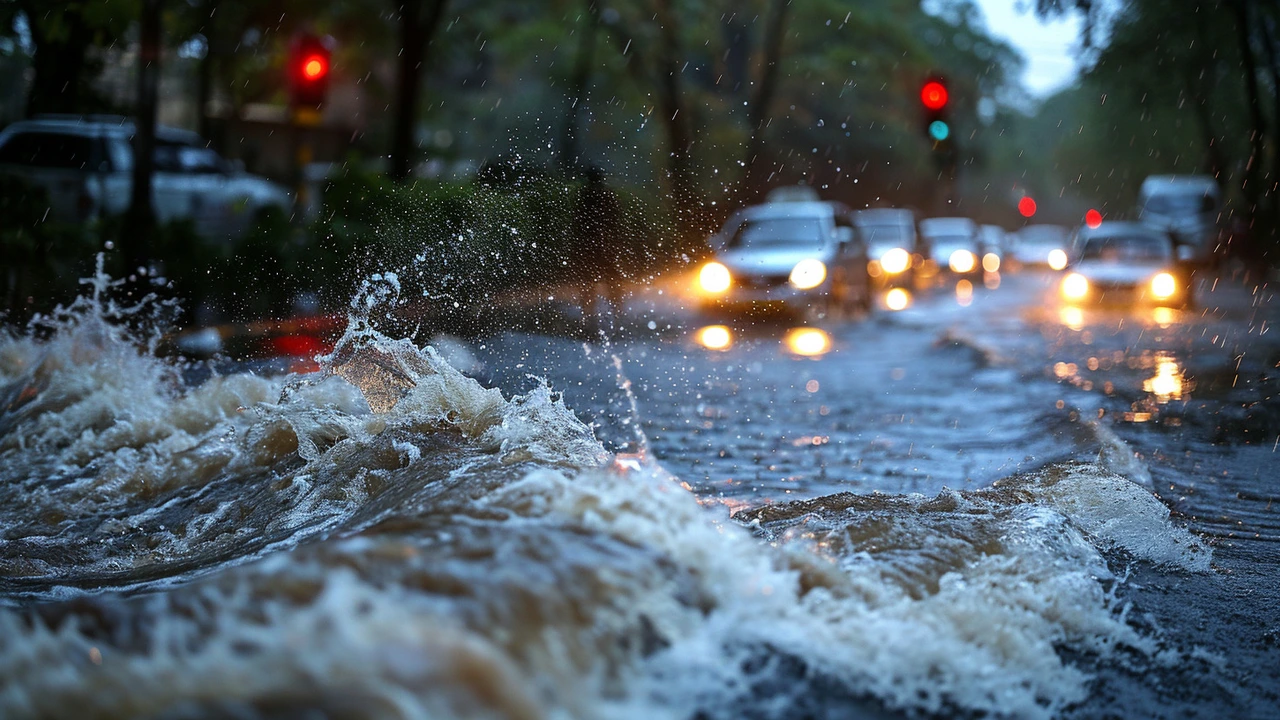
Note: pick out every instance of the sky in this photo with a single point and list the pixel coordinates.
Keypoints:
(1046, 46)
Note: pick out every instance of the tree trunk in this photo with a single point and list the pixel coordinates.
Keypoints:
(418, 26)
(58, 65)
(675, 119)
(1257, 135)
(570, 151)
(758, 113)
(204, 80)
(1268, 27)
(139, 221)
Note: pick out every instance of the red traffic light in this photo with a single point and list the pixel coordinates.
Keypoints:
(309, 65)
(934, 95)
(314, 66)
(1093, 218)
(1027, 207)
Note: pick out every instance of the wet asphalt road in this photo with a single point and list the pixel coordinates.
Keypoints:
(959, 392)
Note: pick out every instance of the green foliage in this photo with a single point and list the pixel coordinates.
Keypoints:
(43, 261)
(461, 244)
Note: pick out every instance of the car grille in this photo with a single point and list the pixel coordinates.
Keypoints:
(763, 282)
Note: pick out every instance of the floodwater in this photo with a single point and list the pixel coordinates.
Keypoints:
(980, 505)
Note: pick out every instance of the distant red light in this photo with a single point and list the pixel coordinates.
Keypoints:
(934, 95)
(314, 67)
(1093, 218)
(1027, 207)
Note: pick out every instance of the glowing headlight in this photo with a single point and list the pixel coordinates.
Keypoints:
(895, 261)
(897, 299)
(1057, 259)
(714, 277)
(991, 262)
(808, 342)
(1075, 286)
(808, 274)
(715, 337)
(962, 261)
(1163, 286)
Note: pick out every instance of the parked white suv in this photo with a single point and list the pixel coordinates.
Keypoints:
(86, 163)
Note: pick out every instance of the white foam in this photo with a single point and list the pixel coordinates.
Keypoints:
(1116, 513)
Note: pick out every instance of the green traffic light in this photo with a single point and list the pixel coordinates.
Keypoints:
(938, 130)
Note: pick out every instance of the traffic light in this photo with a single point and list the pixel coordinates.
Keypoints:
(1027, 206)
(934, 97)
(309, 64)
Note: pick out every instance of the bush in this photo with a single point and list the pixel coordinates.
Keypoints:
(43, 260)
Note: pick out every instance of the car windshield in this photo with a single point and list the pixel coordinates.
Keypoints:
(1126, 248)
(1180, 203)
(49, 150)
(778, 232)
(952, 241)
(1042, 236)
(884, 235)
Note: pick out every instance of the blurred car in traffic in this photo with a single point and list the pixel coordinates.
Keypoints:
(793, 255)
(85, 166)
(1127, 263)
(994, 242)
(1188, 207)
(954, 244)
(1040, 246)
(893, 246)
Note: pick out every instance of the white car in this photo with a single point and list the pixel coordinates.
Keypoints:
(1127, 263)
(85, 165)
(954, 244)
(1189, 208)
(786, 254)
(1041, 245)
(893, 246)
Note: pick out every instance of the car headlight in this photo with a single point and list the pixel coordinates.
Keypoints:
(714, 278)
(1075, 286)
(895, 261)
(1164, 286)
(991, 262)
(1057, 259)
(962, 261)
(808, 274)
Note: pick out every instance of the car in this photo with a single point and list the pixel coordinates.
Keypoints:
(893, 245)
(955, 246)
(85, 164)
(1189, 208)
(994, 241)
(1041, 245)
(793, 255)
(1128, 263)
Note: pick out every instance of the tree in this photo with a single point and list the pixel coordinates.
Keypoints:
(419, 21)
(139, 224)
(62, 33)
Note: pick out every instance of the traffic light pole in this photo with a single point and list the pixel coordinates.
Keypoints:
(302, 122)
(309, 64)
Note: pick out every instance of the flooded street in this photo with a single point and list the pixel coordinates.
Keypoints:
(976, 505)
(959, 394)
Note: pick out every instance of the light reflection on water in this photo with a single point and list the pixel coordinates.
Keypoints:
(1168, 383)
(1072, 317)
(964, 292)
(1164, 317)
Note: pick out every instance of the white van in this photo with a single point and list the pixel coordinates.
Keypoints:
(1188, 207)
